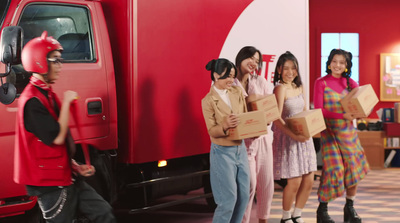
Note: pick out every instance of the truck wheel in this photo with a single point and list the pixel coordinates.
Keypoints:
(34, 215)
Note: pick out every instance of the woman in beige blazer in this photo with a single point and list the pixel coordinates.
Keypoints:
(229, 169)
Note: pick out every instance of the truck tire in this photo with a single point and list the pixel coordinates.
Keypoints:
(103, 180)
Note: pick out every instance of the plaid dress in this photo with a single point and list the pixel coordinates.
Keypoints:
(344, 160)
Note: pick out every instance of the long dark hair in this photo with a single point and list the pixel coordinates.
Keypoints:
(348, 56)
(219, 66)
(247, 52)
(281, 61)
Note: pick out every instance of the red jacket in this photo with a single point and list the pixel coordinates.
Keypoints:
(36, 163)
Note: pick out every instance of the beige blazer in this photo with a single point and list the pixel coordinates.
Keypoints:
(215, 110)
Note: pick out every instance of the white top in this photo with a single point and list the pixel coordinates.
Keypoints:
(224, 95)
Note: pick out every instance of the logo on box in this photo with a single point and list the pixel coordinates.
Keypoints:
(251, 121)
(315, 120)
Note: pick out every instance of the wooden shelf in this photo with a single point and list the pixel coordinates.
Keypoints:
(372, 143)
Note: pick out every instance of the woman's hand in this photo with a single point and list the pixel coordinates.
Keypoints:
(231, 121)
(349, 116)
(300, 138)
(254, 97)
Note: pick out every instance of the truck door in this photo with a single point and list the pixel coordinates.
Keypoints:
(84, 68)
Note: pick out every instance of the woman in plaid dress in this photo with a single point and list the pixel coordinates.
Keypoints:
(344, 160)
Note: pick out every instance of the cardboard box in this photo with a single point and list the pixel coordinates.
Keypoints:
(307, 123)
(396, 112)
(360, 101)
(251, 124)
(267, 104)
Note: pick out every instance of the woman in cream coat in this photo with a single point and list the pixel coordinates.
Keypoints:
(229, 168)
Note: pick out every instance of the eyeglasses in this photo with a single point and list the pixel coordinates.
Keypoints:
(56, 60)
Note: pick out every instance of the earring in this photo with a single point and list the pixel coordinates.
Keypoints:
(345, 70)
(329, 67)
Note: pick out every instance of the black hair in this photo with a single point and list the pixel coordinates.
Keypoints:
(348, 56)
(247, 52)
(281, 61)
(219, 66)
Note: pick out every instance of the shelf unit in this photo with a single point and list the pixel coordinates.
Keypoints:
(373, 144)
(391, 144)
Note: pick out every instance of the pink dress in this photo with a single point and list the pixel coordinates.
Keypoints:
(259, 152)
(292, 158)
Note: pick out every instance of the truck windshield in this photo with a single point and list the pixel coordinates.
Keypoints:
(3, 9)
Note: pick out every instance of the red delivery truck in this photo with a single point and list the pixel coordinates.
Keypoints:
(139, 69)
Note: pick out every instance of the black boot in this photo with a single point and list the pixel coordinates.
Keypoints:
(350, 214)
(322, 214)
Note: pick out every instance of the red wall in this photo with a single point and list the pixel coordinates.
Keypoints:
(378, 25)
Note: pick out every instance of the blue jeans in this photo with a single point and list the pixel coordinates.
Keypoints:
(230, 182)
(63, 204)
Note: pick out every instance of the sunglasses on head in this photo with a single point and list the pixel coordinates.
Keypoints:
(57, 60)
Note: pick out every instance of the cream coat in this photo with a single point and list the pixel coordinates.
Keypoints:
(215, 110)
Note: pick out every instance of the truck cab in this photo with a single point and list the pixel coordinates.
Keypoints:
(88, 69)
(146, 143)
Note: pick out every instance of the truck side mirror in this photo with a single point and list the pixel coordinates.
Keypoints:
(10, 54)
(11, 45)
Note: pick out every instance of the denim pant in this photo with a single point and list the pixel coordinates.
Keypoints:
(230, 182)
(63, 205)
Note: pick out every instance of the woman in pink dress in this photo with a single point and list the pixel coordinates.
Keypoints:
(259, 150)
(294, 155)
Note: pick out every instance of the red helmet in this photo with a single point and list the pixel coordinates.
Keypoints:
(34, 54)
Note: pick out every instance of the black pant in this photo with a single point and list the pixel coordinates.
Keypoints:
(62, 206)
